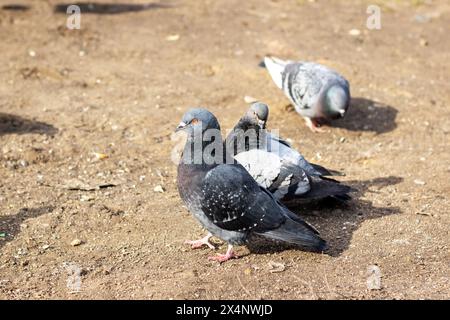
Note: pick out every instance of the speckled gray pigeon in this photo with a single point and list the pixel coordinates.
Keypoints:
(275, 165)
(225, 199)
(318, 93)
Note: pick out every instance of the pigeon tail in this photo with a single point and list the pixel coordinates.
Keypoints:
(326, 187)
(326, 172)
(276, 68)
(298, 232)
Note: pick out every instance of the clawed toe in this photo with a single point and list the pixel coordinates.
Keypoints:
(223, 257)
(196, 244)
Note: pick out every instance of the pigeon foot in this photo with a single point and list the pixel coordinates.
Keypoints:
(195, 244)
(225, 257)
(313, 125)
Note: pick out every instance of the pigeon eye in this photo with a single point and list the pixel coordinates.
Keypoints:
(194, 121)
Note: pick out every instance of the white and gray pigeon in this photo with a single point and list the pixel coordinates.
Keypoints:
(226, 200)
(275, 165)
(317, 92)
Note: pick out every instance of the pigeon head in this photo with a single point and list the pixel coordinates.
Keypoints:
(337, 100)
(258, 114)
(198, 118)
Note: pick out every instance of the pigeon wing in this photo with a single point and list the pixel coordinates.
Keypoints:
(233, 201)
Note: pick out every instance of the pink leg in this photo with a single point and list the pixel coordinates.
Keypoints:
(225, 257)
(195, 244)
(313, 125)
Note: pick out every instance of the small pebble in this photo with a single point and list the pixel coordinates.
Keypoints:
(23, 163)
(419, 182)
(374, 278)
(159, 189)
(100, 156)
(86, 197)
(354, 32)
(423, 42)
(249, 99)
(173, 37)
(75, 242)
(276, 267)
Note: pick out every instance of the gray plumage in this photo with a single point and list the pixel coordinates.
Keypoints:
(227, 201)
(316, 91)
(275, 165)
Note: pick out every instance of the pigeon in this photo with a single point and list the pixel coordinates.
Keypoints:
(275, 165)
(225, 198)
(318, 93)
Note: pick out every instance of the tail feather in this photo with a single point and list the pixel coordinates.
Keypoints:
(326, 172)
(298, 232)
(342, 197)
(275, 67)
(325, 187)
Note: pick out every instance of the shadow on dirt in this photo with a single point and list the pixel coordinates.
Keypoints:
(337, 221)
(10, 225)
(109, 8)
(10, 123)
(368, 115)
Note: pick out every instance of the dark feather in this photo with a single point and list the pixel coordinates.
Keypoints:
(326, 172)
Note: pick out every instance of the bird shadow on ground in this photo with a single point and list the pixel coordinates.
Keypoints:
(367, 115)
(336, 220)
(109, 8)
(10, 225)
(10, 123)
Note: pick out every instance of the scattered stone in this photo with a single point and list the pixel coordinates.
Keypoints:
(100, 156)
(374, 278)
(419, 182)
(354, 32)
(159, 189)
(423, 42)
(85, 198)
(276, 267)
(76, 242)
(249, 99)
(32, 53)
(45, 246)
(23, 163)
(173, 37)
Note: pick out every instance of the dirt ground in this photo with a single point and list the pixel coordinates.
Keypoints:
(119, 86)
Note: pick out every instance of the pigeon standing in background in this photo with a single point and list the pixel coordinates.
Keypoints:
(318, 93)
(275, 165)
(225, 199)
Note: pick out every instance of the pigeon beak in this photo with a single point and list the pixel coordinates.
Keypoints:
(181, 126)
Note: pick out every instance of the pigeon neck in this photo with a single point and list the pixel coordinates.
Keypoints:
(245, 136)
(203, 149)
